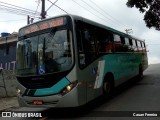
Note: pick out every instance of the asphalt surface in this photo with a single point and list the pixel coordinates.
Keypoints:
(8, 104)
(136, 97)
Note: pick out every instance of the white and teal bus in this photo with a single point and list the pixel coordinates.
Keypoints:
(67, 61)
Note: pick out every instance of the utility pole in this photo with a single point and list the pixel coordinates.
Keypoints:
(28, 19)
(128, 31)
(43, 12)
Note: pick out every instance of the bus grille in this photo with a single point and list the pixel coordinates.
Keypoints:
(37, 84)
(43, 81)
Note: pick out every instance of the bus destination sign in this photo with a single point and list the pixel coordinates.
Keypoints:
(42, 26)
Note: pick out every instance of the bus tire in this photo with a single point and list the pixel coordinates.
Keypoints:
(108, 85)
(140, 75)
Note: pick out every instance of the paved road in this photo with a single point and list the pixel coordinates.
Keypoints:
(138, 97)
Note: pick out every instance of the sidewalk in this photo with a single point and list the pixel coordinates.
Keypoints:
(8, 104)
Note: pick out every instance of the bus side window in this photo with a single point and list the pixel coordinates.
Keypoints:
(143, 47)
(139, 46)
(89, 46)
(117, 42)
(105, 41)
(122, 40)
(131, 45)
(126, 41)
(124, 46)
(128, 44)
(134, 45)
(109, 46)
(117, 39)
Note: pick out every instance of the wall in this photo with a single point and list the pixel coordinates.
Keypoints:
(8, 66)
(7, 83)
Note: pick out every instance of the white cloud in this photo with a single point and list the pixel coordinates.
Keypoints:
(154, 60)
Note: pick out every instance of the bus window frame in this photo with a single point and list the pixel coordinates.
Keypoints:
(117, 39)
(122, 40)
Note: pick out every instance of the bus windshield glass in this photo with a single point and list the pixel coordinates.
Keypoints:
(45, 53)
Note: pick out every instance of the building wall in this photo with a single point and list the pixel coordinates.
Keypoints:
(8, 66)
(7, 83)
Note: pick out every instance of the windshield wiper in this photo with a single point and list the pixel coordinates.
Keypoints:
(44, 47)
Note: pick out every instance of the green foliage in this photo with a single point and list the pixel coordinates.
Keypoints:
(151, 8)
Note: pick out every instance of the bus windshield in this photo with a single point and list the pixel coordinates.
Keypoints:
(45, 53)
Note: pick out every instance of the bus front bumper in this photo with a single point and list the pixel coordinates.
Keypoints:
(70, 99)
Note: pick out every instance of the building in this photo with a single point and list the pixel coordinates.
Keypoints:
(8, 51)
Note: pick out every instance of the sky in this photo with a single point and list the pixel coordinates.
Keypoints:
(112, 13)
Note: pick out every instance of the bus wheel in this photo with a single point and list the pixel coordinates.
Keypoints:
(140, 75)
(108, 86)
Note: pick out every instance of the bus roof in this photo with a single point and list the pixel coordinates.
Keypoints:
(75, 17)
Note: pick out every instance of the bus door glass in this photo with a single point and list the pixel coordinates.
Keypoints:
(87, 53)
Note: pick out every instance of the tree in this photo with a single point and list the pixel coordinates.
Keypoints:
(151, 8)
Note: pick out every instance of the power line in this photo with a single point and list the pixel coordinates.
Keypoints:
(91, 12)
(107, 13)
(57, 11)
(16, 9)
(58, 7)
(37, 8)
(101, 13)
(153, 44)
(52, 5)
(8, 7)
(13, 20)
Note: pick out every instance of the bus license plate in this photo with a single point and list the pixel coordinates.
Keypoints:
(37, 102)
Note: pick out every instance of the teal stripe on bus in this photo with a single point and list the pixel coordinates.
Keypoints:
(122, 65)
(54, 89)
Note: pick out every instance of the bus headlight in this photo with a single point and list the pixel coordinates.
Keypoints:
(69, 88)
(18, 91)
